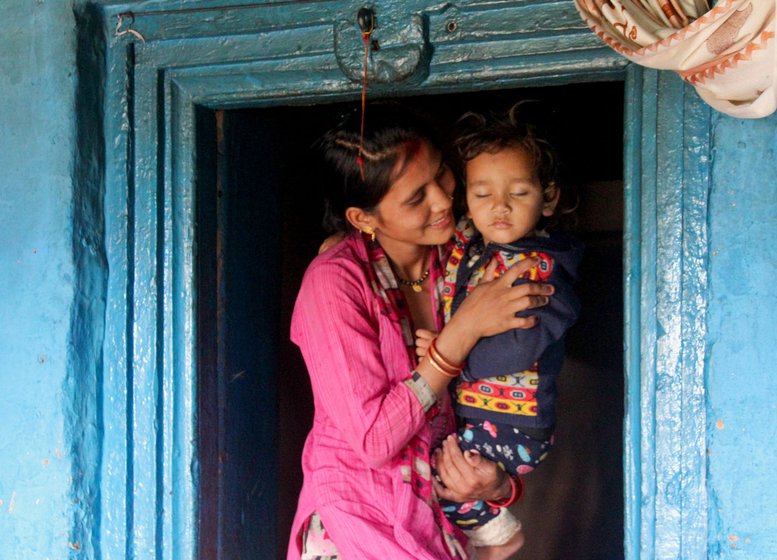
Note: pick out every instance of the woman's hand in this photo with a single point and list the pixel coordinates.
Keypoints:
(491, 307)
(488, 310)
(467, 476)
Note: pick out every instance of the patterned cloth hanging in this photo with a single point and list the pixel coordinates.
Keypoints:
(727, 53)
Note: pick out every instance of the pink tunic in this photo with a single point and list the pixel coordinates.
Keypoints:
(364, 416)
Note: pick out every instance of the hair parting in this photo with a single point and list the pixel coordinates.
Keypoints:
(394, 134)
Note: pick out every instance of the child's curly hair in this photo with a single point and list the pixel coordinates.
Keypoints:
(475, 134)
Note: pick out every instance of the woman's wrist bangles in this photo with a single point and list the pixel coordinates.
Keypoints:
(442, 365)
(516, 493)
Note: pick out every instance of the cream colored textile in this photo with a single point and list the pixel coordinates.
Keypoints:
(727, 53)
(495, 532)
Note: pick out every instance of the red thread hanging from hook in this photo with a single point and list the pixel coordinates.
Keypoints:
(366, 20)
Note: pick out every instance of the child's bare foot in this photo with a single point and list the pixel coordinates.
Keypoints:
(503, 551)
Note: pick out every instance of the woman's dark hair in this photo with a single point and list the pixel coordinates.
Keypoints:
(392, 132)
(475, 134)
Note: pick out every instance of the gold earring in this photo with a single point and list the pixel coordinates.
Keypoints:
(370, 231)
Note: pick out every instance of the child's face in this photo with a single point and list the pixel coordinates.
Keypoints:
(504, 195)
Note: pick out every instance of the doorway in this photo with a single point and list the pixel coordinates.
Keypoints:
(258, 226)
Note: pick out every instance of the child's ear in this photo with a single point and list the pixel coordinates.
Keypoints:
(550, 196)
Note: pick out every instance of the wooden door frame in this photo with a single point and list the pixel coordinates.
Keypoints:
(178, 61)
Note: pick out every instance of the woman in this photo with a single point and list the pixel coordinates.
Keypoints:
(368, 490)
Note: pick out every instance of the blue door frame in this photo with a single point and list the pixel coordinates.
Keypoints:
(284, 53)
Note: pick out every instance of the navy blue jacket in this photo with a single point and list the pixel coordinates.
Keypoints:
(539, 349)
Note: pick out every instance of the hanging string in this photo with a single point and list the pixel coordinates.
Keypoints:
(120, 22)
(366, 21)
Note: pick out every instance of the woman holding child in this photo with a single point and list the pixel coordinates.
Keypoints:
(370, 489)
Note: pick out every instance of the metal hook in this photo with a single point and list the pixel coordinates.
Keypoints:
(120, 22)
(366, 19)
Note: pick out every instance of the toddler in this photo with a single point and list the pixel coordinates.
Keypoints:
(506, 396)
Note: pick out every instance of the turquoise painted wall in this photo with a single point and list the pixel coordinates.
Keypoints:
(37, 279)
(52, 273)
(741, 381)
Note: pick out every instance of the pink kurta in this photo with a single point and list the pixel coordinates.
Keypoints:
(365, 415)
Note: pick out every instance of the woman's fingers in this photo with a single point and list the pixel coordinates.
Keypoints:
(447, 467)
(466, 475)
(453, 453)
(523, 322)
(493, 306)
(514, 300)
(529, 295)
(514, 272)
(473, 459)
(445, 493)
(490, 273)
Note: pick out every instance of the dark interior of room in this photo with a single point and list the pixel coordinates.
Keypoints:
(259, 214)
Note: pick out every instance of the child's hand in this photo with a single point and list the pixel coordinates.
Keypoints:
(423, 339)
(331, 241)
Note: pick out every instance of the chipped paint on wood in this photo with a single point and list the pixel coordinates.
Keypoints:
(96, 303)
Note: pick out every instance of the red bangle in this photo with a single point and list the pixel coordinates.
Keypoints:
(439, 367)
(516, 493)
(441, 358)
(440, 363)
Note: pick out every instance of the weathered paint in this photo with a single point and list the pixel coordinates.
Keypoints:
(97, 333)
(742, 411)
(39, 286)
(283, 57)
(667, 182)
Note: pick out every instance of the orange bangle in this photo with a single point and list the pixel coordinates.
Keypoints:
(440, 359)
(516, 493)
(440, 368)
